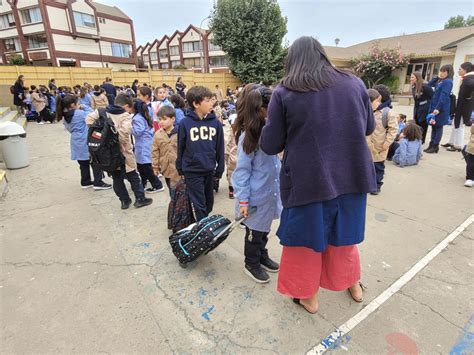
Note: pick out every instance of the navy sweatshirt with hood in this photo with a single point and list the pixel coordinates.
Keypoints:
(200, 146)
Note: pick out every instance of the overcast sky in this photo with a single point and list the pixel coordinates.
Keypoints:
(350, 20)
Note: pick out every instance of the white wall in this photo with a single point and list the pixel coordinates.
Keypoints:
(464, 50)
(5, 7)
(174, 41)
(115, 29)
(78, 45)
(58, 18)
(26, 3)
(191, 36)
(11, 32)
(39, 27)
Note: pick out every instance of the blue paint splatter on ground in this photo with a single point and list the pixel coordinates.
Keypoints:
(465, 343)
(335, 340)
(202, 294)
(143, 245)
(206, 314)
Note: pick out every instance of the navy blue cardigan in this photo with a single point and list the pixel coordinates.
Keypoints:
(323, 137)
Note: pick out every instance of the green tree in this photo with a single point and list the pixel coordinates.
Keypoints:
(251, 33)
(470, 21)
(378, 65)
(17, 60)
(457, 21)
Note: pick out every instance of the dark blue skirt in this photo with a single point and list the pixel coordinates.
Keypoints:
(338, 222)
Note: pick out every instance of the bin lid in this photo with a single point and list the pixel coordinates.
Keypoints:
(8, 129)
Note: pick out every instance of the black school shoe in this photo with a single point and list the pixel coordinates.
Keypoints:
(257, 274)
(126, 204)
(269, 265)
(142, 202)
(102, 186)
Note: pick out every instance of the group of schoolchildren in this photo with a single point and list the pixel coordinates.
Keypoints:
(192, 141)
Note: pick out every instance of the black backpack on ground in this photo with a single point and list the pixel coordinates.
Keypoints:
(103, 143)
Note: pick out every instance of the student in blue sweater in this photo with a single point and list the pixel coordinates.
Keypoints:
(256, 182)
(142, 130)
(409, 148)
(440, 106)
(200, 150)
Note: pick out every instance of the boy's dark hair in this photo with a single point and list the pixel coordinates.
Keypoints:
(373, 94)
(403, 117)
(467, 66)
(63, 104)
(412, 132)
(196, 95)
(167, 111)
(448, 68)
(145, 91)
(123, 99)
(384, 91)
(33, 87)
(177, 101)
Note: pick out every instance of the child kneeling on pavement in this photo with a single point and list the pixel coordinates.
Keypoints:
(256, 182)
(123, 124)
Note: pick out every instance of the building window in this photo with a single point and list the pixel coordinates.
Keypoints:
(122, 50)
(84, 20)
(218, 61)
(174, 50)
(192, 62)
(175, 63)
(102, 20)
(153, 56)
(7, 21)
(214, 47)
(32, 15)
(165, 66)
(12, 45)
(146, 58)
(37, 41)
(192, 47)
(163, 54)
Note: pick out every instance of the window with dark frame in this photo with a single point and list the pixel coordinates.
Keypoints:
(32, 15)
(12, 45)
(7, 21)
(84, 20)
(37, 41)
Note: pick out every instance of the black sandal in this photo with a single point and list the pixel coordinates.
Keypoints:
(297, 301)
(363, 287)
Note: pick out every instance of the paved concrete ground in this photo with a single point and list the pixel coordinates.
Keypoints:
(78, 275)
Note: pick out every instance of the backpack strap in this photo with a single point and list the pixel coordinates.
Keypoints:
(385, 112)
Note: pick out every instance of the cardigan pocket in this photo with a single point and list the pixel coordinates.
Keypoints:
(285, 175)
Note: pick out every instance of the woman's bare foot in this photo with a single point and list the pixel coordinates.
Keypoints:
(310, 304)
(356, 292)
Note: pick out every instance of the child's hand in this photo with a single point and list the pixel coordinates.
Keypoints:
(244, 211)
(435, 112)
(432, 122)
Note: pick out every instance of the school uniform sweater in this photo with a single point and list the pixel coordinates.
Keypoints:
(200, 146)
(143, 135)
(408, 153)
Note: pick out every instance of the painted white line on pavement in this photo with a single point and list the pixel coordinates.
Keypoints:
(335, 336)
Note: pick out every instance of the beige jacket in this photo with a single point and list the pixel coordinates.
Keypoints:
(123, 123)
(230, 151)
(100, 101)
(38, 101)
(382, 138)
(163, 155)
(470, 144)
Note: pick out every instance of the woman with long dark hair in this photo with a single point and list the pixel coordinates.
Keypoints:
(320, 117)
(19, 94)
(180, 86)
(440, 107)
(422, 94)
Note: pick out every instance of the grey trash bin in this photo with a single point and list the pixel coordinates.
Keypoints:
(13, 145)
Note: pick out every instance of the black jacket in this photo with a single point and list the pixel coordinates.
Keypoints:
(422, 103)
(465, 101)
(18, 93)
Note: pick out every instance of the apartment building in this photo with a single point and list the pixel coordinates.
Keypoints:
(81, 33)
(192, 48)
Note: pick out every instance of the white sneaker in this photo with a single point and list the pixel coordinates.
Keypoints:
(40, 122)
(469, 183)
(47, 122)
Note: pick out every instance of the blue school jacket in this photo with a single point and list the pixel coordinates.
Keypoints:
(78, 129)
(408, 153)
(143, 139)
(441, 101)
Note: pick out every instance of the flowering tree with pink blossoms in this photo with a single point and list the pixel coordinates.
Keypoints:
(378, 65)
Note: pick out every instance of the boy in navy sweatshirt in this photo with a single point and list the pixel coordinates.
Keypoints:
(200, 150)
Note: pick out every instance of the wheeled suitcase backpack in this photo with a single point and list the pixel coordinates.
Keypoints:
(200, 238)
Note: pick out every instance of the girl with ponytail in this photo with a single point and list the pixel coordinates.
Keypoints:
(256, 181)
(68, 109)
(142, 130)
